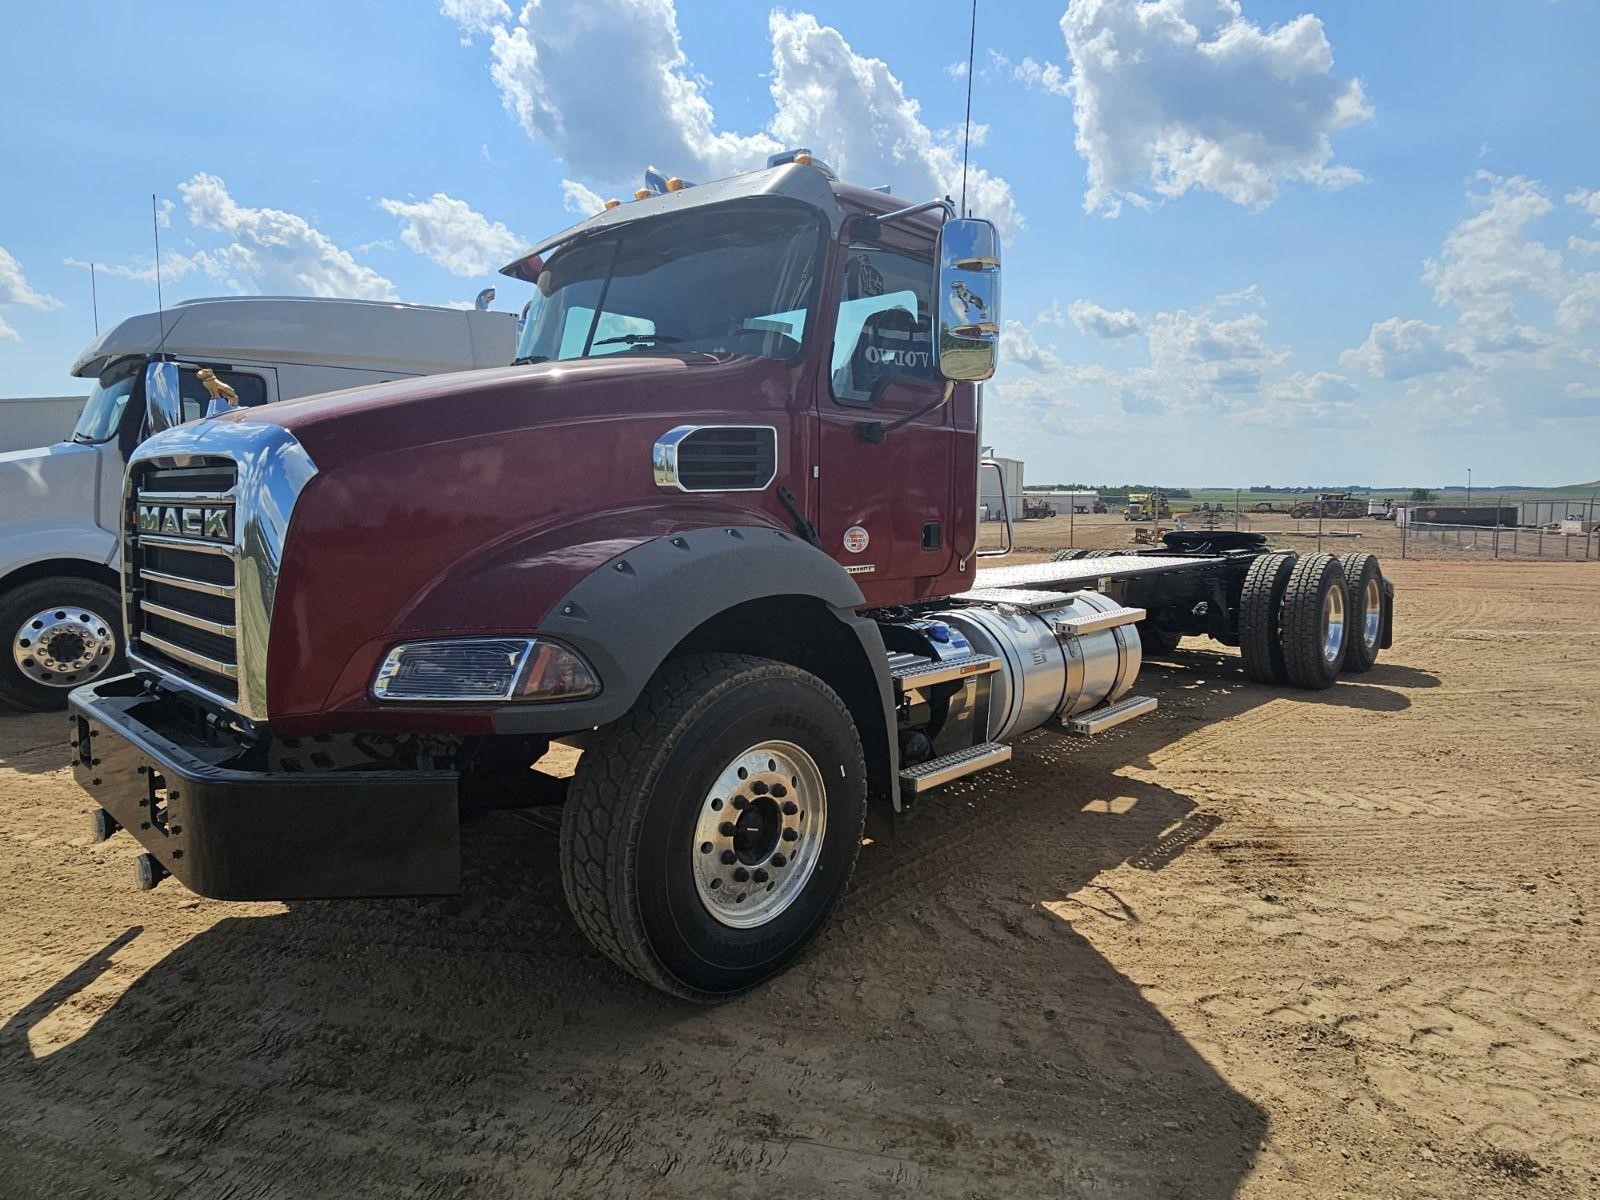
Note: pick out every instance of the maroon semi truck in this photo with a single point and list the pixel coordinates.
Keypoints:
(717, 526)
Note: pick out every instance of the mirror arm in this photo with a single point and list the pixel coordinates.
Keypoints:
(868, 223)
(873, 432)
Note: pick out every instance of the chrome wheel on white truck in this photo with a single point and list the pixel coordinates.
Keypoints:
(61, 632)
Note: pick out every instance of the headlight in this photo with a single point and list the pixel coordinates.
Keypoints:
(459, 669)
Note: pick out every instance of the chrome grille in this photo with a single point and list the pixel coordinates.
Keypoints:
(181, 572)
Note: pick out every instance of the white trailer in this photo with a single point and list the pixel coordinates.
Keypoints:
(60, 503)
(34, 420)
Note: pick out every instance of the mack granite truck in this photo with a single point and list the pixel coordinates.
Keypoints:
(717, 528)
(60, 504)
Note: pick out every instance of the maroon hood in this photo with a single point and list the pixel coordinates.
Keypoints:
(472, 502)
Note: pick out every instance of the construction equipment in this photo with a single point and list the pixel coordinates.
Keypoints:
(1340, 505)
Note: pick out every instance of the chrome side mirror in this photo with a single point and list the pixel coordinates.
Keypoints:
(967, 313)
(163, 401)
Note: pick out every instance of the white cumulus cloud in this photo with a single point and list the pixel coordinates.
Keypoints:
(1019, 345)
(646, 105)
(1094, 321)
(15, 289)
(1171, 95)
(578, 200)
(453, 234)
(273, 250)
(1402, 349)
(855, 113)
(1488, 258)
(476, 16)
(607, 85)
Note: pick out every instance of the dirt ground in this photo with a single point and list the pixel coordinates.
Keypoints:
(1262, 943)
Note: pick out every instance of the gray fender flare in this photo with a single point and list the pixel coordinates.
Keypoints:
(628, 615)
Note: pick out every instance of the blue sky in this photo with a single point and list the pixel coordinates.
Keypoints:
(1358, 243)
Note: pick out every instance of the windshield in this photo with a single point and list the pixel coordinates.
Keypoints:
(736, 280)
(102, 412)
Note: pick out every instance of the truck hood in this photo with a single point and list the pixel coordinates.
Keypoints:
(47, 479)
(342, 427)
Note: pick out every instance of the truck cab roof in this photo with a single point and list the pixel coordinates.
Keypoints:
(365, 334)
(802, 182)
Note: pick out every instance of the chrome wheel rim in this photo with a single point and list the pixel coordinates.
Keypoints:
(1332, 624)
(759, 834)
(64, 647)
(1372, 617)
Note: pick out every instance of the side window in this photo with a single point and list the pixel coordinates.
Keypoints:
(885, 323)
(252, 390)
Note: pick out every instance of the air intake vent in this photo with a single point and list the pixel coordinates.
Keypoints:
(717, 458)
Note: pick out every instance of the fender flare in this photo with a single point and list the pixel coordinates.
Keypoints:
(627, 616)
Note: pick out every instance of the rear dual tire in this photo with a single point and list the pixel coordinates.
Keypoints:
(709, 833)
(1313, 625)
(1364, 609)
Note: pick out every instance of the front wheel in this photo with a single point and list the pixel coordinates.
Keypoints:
(708, 834)
(60, 633)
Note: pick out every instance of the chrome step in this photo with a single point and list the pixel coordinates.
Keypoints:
(1096, 621)
(925, 674)
(1109, 716)
(938, 771)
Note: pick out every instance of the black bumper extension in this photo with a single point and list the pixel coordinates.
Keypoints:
(236, 834)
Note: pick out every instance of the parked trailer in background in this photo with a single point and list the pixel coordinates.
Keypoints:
(61, 503)
(36, 420)
(719, 530)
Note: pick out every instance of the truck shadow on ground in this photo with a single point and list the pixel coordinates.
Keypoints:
(953, 1034)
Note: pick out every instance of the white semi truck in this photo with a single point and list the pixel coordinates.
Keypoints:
(60, 505)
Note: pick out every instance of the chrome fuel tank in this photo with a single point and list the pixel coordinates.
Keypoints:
(1048, 668)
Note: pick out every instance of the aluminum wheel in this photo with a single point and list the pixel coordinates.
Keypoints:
(64, 647)
(1333, 624)
(759, 834)
(1372, 621)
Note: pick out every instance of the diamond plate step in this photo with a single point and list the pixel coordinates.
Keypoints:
(953, 766)
(925, 674)
(1098, 720)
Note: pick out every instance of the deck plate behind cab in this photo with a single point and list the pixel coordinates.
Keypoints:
(1082, 573)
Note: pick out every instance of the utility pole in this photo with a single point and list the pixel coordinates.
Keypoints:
(1469, 487)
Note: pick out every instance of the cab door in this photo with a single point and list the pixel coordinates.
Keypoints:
(884, 497)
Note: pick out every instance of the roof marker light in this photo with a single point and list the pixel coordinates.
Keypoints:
(612, 203)
(642, 194)
(674, 184)
(803, 158)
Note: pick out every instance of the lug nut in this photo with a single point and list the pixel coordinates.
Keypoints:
(789, 835)
(726, 829)
(729, 857)
(740, 875)
(740, 802)
(759, 788)
(758, 875)
(779, 860)
(790, 808)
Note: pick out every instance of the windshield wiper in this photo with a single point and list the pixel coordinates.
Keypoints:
(638, 339)
(529, 359)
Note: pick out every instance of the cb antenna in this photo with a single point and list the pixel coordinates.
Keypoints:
(966, 138)
(94, 300)
(155, 228)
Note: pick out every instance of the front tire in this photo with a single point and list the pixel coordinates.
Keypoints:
(58, 633)
(709, 832)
